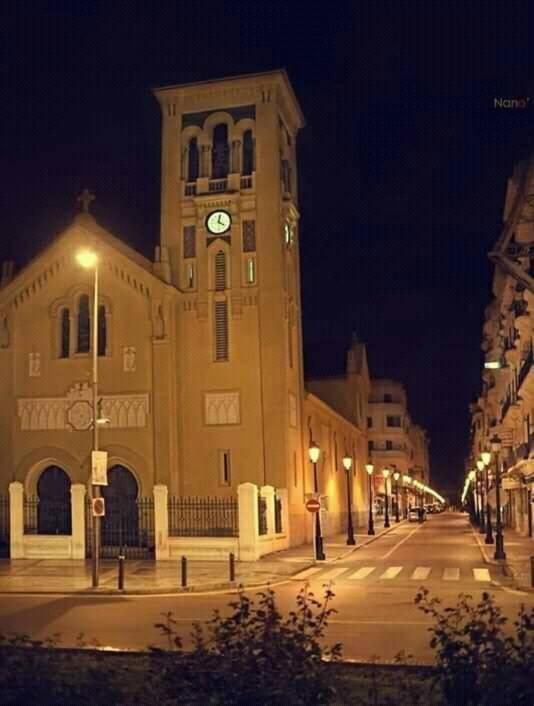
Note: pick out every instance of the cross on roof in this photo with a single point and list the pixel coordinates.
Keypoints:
(85, 199)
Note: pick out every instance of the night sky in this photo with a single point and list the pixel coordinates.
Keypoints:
(402, 164)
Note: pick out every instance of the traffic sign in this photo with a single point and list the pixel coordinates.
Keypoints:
(313, 505)
(99, 507)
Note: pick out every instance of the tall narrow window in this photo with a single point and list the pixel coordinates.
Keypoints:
(249, 236)
(286, 176)
(65, 334)
(190, 275)
(102, 332)
(221, 331)
(220, 152)
(189, 241)
(251, 270)
(248, 153)
(193, 162)
(295, 474)
(84, 325)
(220, 271)
(225, 477)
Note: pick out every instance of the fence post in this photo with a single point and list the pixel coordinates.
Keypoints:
(77, 511)
(232, 566)
(532, 571)
(267, 492)
(184, 571)
(161, 521)
(247, 495)
(121, 570)
(16, 520)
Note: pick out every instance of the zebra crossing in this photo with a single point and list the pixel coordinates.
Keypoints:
(381, 573)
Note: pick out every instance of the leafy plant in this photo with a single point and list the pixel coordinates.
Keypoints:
(478, 662)
(254, 655)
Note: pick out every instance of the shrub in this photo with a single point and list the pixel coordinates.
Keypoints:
(478, 662)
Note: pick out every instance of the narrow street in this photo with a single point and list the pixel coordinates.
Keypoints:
(374, 596)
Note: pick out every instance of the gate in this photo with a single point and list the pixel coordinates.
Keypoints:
(127, 528)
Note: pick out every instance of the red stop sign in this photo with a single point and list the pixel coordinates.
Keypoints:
(313, 505)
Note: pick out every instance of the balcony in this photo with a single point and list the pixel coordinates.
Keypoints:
(190, 188)
(217, 185)
(525, 367)
(247, 182)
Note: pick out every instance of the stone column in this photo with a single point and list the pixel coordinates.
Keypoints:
(284, 499)
(267, 492)
(77, 505)
(16, 520)
(247, 496)
(161, 521)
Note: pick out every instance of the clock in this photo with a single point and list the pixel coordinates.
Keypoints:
(218, 222)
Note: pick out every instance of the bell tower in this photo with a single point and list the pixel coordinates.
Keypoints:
(230, 245)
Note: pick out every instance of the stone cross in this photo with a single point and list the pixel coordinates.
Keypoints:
(85, 199)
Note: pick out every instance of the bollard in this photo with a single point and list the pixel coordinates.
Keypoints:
(532, 571)
(184, 572)
(121, 572)
(232, 566)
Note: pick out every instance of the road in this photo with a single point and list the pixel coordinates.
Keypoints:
(374, 596)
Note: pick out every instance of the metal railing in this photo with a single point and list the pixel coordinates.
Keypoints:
(278, 515)
(127, 527)
(190, 188)
(4, 525)
(218, 185)
(43, 516)
(246, 182)
(262, 515)
(202, 517)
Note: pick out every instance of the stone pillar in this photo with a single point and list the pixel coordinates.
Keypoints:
(284, 499)
(161, 521)
(16, 520)
(267, 492)
(77, 508)
(247, 497)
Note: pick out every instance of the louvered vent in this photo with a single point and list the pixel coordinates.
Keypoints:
(220, 271)
(221, 331)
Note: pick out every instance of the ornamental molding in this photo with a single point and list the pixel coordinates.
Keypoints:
(128, 411)
(222, 408)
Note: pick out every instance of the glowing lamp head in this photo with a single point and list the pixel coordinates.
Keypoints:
(471, 475)
(480, 465)
(347, 462)
(407, 479)
(314, 452)
(87, 259)
(385, 472)
(369, 468)
(486, 457)
(495, 444)
(396, 475)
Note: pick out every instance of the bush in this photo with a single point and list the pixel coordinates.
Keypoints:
(254, 655)
(477, 661)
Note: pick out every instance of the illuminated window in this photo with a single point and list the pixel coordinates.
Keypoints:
(225, 477)
(190, 275)
(221, 331)
(251, 270)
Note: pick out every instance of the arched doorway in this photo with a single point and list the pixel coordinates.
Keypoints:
(54, 508)
(128, 522)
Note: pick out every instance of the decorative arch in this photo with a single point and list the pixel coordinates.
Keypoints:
(215, 119)
(54, 506)
(33, 464)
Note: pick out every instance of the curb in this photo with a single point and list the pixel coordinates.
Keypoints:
(507, 569)
(372, 538)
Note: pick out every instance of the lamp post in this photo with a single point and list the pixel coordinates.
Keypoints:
(370, 468)
(486, 458)
(347, 464)
(314, 453)
(499, 539)
(480, 474)
(472, 479)
(406, 482)
(89, 260)
(385, 473)
(396, 476)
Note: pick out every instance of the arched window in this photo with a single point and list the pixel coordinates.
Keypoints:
(121, 522)
(220, 152)
(248, 153)
(84, 325)
(54, 509)
(220, 271)
(64, 342)
(193, 162)
(102, 332)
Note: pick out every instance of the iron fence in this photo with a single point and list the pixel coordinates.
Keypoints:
(4, 526)
(262, 515)
(277, 514)
(44, 516)
(127, 528)
(202, 517)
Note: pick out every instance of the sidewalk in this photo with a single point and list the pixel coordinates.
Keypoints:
(518, 550)
(60, 576)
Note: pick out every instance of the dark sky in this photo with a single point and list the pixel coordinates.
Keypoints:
(403, 162)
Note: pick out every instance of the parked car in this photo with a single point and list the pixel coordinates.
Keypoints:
(416, 514)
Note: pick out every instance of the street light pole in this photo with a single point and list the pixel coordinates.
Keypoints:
(486, 458)
(499, 539)
(370, 468)
(347, 463)
(396, 476)
(482, 526)
(314, 453)
(385, 473)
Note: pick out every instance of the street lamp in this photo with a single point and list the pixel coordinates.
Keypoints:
(499, 539)
(385, 473)
(370, 468)
(407, 480)
(472, 480)
(314, 453)
(347, 464)
(396, 476)
(486, 458)
(482, 528)
(89, 260)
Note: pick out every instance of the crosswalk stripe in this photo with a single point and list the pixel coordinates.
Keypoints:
(391, 572)
(421, 573)
(481, 575)
(362, 573)
(307, 573)
(451, 574)
(334, 573)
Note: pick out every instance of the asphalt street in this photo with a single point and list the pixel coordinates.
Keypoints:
(374, 596)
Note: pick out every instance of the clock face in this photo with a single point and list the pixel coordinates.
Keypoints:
(218, 222)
